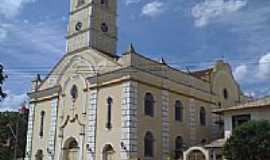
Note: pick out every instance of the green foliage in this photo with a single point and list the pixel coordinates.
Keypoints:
(250, 141)
(8, 121)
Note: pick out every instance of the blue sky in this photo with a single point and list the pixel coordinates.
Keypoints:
(187, 33)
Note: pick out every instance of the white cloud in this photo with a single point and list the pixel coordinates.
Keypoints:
(11, 8)
(264, 67)
(250, 94)
(240, 72)
(3, 34)
(209, 10)
(153, 9)
(12, 102)
(128, 2)
(46, 37)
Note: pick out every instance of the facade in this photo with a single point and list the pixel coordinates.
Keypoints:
(233, 117)
(96, 105)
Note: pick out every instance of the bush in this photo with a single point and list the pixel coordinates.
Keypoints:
(250, 141)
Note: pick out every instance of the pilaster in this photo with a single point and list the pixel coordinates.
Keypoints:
(165, 124)
(30, 132)
(91, 125)
(129, 119)
(192, 121)
(52, 131)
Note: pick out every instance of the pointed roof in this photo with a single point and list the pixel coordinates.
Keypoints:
(131, 49)
(162, 61)
(202, 74)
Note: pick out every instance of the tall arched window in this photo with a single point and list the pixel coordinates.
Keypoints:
(202, 116)
(179, 147)
(109, 113)
(74, 93)
(225, 93)
(42, 116)
(149, 104)
(179, 111)
(149, 145)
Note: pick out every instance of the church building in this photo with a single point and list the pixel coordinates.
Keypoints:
(96, 104)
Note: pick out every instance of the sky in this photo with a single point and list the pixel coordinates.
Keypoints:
(189, 34)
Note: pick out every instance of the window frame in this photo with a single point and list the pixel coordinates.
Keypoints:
(149, 104)
(109, 113)
(225, 93)
(149, 145)
(41, 129)
(178, 111)
(202, 116)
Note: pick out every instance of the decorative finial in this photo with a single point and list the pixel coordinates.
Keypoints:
(131, 49)
(162, 61)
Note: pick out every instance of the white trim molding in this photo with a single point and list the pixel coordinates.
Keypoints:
(91, 125)
(192, 121)
(30, 132)
(52, 132)
(129, 148)
(165, 124)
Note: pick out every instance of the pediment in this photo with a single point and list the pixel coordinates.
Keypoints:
(85, 64)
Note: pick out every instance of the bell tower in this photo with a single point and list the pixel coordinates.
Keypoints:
(92, 23)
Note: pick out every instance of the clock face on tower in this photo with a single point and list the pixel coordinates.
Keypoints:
(78, 26)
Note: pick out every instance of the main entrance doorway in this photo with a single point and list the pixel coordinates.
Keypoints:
(71, 151)
(108, 152)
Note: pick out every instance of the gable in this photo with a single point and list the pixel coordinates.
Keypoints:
(84, 64)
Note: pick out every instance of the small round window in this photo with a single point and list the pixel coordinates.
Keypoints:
(104, 27)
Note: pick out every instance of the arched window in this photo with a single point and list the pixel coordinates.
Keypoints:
(71, 149)
(179, 111)
(74, 93)
(149, 145)
(42, 116)
(202, 116)
(73, 144)
(149, 104)
(225, 93)
(109, 113)
(39, 155)
(178, 147)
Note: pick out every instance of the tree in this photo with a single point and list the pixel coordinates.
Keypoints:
(3, 76)
(13, 125)
(250, 141)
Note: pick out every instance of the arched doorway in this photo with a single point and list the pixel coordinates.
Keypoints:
(108, 152)
(71, 150)
(196, 155)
